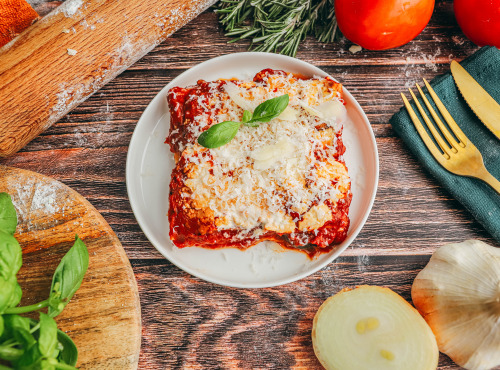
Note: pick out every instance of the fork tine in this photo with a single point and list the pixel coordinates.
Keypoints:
(446, 115)
(451, 140)
(437, 137)
(423, 133)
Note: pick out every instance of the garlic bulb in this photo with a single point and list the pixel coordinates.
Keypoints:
(458, 293)
(372, 328)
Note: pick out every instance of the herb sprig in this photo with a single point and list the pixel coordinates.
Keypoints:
(278, 26)
(26, 343)
(223, 132)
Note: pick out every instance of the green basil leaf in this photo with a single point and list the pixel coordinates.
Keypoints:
(47, 340)
(16, 321)
(10, 256)
(9, 353)
(24, 337)
(7, 292)
(2, 325)
(219, 134)
(30, 359)
(47, 365)
(247, 116)
(270, 109)
(8, 214)
(68, 277)
(16, 296)
(69, 353)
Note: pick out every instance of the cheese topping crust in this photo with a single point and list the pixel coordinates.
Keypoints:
(284, 180)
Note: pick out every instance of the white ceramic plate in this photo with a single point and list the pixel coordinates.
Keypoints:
(150, 162)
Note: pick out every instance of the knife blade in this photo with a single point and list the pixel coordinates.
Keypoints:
(481, 103)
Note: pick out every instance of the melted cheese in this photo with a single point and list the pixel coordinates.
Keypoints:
(266, 173)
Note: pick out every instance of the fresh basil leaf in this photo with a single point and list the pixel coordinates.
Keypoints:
(10, 256)
(69, 353)
(8, 214)
(9, 353)
(24, 337)
(66, 352)
(247, 116)
(219, 134)
(47, 340)
(15, 321)
(16, 296)
(9, 321)
(270, 109)
(2, 326)
(68, 277)
(7, 291)
(47, 365)
(30, 359)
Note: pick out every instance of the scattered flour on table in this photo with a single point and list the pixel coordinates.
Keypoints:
(69, 8)
(418, 64)
(363, 260)
(86, 25)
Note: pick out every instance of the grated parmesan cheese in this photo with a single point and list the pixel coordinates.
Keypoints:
(285, 164)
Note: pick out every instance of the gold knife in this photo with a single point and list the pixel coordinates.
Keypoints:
(481, 103)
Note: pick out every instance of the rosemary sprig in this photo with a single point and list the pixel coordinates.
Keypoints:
(278, 25)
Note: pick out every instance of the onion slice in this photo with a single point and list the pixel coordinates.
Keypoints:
(372, 328)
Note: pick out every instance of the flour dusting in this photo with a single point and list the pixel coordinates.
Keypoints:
(69, 8)
(36, 200)
(418, 64)
(363, 260)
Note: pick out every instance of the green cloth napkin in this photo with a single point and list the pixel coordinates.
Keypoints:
(480, 199)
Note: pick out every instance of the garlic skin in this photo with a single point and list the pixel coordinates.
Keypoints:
(458, 294)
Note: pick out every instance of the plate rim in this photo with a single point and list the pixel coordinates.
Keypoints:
(298, 276)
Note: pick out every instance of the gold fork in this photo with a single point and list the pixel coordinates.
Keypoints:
(460, 156)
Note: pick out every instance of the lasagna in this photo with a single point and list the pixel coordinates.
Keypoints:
(284, 181)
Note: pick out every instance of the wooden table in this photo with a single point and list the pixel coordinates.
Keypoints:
(189, 323)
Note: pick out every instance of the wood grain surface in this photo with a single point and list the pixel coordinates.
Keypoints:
(73, 52)
(104, 317)
(188, 323)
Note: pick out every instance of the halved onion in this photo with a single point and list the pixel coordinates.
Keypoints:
(372, 328)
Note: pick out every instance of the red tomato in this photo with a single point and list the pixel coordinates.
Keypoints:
(382, 24)
(479, 20)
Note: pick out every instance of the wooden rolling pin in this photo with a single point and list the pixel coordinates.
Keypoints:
(72, 52)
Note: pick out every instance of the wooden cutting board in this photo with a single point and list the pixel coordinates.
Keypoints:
(72, 52)
(103, 318)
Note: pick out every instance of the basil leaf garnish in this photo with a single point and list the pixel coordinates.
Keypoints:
(222, 133)
(247, 116)
(219, 134)
(270, 109)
